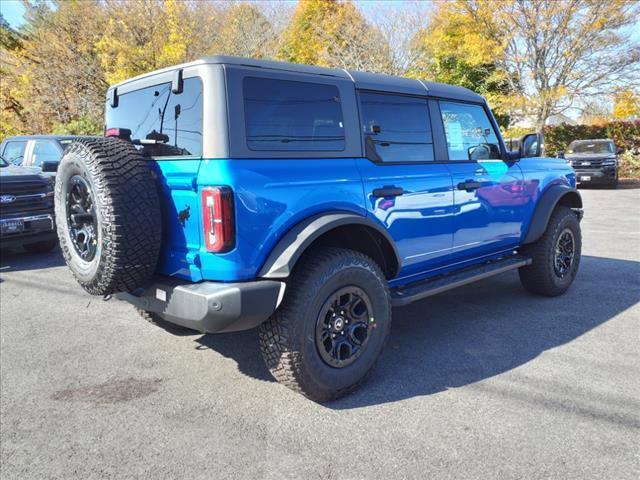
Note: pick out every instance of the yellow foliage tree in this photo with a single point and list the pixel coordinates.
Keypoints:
(146, 35)
(552, 52)
(334, 33)
(452, 49)
(53, 76)
(626, 104)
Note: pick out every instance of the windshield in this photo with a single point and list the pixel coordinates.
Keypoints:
(591, 147)
(3, 162)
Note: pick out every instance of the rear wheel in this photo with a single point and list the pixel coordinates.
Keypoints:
(108, 215)
(556, 255)
(327, 335)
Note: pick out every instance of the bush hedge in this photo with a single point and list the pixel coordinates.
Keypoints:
(625, 135)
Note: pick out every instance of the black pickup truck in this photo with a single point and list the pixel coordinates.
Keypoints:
(26, 209)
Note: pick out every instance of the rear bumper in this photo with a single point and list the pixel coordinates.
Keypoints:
(37, 228)
(209, 307)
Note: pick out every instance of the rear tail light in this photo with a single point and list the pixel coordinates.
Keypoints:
(218, 219)
(121, 133)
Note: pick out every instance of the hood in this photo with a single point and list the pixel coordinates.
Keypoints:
(15, 173)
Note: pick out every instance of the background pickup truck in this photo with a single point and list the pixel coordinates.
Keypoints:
(26, 209)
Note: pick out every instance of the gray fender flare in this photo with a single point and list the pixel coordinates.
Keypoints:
(545, 206)
(291, 246)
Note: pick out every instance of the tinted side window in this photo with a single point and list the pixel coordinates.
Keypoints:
(396, 128)
(45, 151)
(157, 113)
(289, 116)
(14, 151)
(470, 135)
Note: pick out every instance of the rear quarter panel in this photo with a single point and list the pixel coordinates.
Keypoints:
(268, 203)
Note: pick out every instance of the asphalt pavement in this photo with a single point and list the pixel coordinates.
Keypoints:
(487, 381)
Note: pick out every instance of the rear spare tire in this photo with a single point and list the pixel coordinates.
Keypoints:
(108, 215)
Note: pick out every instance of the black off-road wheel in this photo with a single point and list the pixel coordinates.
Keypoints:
(326, 336)
(108, 215)
(556, 255)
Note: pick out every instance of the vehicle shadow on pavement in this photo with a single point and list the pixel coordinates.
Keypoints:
(484, 329)
(470, 334)
(18, 260)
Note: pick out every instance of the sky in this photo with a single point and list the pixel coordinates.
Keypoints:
(13, 11)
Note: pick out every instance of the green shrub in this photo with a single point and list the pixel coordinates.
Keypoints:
(85, 125)
(629, 166)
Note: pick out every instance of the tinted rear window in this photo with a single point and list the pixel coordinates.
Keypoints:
(155, 110)
(396, 128)
(292, 116)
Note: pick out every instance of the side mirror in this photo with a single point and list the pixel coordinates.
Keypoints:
(531, 145)
(481, 151)
(48, 167)
(513, 155)
(619, 150)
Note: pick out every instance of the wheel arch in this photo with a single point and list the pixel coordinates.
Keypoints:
(550, 199)
(337, 229)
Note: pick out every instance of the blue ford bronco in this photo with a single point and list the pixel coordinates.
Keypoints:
(231, 193)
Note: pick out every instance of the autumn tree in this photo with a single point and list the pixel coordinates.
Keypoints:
(626, 104)
(145, 35)
(451, 49)
(53, 76)
(245, 32)
(11, 117)
(555, 52)
(333, 33)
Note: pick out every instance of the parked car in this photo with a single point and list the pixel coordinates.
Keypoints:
(33, 150)
(235, 193)
(595, 161)
(26, 208)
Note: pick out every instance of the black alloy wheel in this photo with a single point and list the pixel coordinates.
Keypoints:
(81, 217)
(564, 252)
(344, 326)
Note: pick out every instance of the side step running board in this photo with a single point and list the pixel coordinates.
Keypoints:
(419, 290)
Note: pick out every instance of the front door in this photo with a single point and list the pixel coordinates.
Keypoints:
(489, 198)
(406, 190)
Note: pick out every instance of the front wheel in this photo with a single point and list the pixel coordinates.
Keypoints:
(556, 255)
(327, 335)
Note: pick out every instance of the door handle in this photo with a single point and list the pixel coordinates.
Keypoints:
(469, 185)
(388, 192)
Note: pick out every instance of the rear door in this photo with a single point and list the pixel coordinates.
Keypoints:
(406, 188)
(489, 197)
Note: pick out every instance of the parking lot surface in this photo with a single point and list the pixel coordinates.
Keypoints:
(487, 381)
